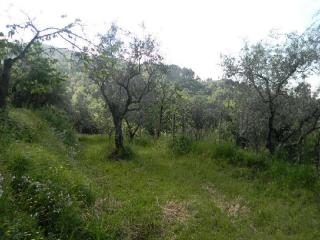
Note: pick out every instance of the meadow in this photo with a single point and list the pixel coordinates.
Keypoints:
(57, 184)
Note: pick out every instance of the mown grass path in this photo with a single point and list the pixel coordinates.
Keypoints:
(158, 196)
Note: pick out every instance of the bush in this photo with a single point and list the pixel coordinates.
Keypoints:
(225, 151)
(292, 176)
(204, 148)
(304, 176)
(19, 165)
(246, 158)
(55, 210)
(181, 145)
(21, 226)
(83, 194)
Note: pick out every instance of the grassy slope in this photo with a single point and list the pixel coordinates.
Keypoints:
(158, 196)
(44, 196)
(153, 196)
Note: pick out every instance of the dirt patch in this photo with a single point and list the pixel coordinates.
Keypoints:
(108, 204)
(232, 208)
(175, 211)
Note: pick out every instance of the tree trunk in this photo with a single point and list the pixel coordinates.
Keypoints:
(132, 133)
(183, 125)
(270, 143)
(118, 133)
(132, 130)
(174, 127)
(160, 121)
(4, 82)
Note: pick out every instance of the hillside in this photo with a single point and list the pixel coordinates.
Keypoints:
(57, 185)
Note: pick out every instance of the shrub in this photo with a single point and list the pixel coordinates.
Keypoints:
(83, 194)
(225, 151)
(304, 176)
(292, 176)
(20, 226)
(181, 145)
(55, 210)
(19, 165)
(204, 148)
(246, 158)
(6, 128)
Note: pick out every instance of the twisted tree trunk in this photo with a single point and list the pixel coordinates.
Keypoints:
(118, 133)
(270, 138)
(160, 121)
(4, 81)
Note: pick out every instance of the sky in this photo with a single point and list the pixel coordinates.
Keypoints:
(192, 33)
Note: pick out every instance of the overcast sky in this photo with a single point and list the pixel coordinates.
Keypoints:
(192, 33)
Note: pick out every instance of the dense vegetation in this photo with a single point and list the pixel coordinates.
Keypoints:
(106, 141)
(57, 187)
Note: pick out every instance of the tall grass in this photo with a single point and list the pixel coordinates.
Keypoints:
(44, 197)
(169, 190)
(261, 164)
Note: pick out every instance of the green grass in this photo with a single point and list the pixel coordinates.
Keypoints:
(158, 195)
(57, 189)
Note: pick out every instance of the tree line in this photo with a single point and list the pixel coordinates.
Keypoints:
(121, 86)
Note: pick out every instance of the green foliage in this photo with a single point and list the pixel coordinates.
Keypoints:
(54, 209)
(215, 191)
(261, 165)
(185, 78)
(88, 112)
(143, 141)
(21, 125)
(180, 145)
(21, 227)
(196, 196)
(121, 154)
(26, 125)
(224, 151)
(47, 198)
(60, 123)
(250, 159)
(36, 81)
(231, 154)
(292, 176)
(19, 165)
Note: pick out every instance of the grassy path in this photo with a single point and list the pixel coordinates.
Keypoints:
(157, 196)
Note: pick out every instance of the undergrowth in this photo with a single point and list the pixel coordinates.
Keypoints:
(260, 165)
(57, 185)
(43, 197)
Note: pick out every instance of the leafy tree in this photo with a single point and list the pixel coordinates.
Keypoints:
(125, 68)
(36, 81)
(13, 51)
(271, 69)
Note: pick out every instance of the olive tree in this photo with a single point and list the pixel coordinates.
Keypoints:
(11, 51)
(272, 70)
(125, 68)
